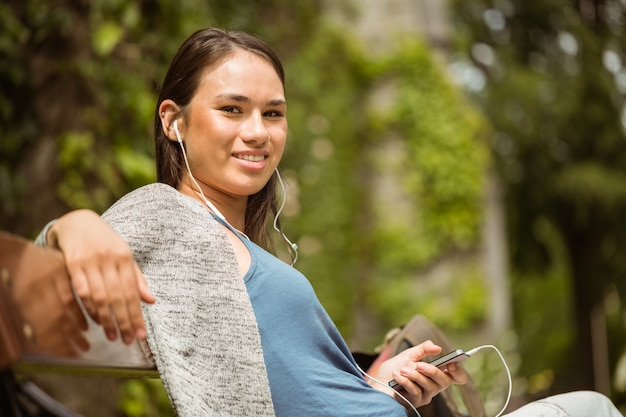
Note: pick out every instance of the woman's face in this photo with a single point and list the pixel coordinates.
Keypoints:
(236, 126)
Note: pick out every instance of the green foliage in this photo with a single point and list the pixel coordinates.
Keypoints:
(554, 91)
(533, 325)
(456, 303)
(356, 255)
(443, 172)
(591, 187)
(447, 159)
(106, 37)
(144, 398)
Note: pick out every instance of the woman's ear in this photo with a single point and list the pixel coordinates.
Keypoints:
(169, 112)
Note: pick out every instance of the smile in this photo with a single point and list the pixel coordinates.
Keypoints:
(252, 158)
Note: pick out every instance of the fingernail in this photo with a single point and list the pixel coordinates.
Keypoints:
(422, 366)
(128, 338)
(406, 371)
(111, 335)
(140, 334)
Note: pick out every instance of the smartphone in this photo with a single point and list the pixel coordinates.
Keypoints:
(456, 356)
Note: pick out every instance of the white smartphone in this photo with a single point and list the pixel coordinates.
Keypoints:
(441, 362)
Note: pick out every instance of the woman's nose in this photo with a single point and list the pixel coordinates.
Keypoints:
(254, 129)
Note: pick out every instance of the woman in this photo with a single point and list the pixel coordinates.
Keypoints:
(234, 330)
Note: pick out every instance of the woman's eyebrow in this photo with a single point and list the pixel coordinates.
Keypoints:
(277, 102)
(243, 99)
(235, 97)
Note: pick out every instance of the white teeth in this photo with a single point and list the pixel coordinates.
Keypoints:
(253, 158)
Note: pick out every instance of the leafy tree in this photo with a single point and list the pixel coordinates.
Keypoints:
(554, 87)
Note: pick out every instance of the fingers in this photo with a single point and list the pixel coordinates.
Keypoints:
(73, 323)
(427, 348)
(110, 293)
(108, 290)
(66, 296)
(144, 292)
(127, 307)
(422, 383)
(104, 273)
(457, 374)
(110, 301)
(81, 285)
(419, 381)
(86, 276)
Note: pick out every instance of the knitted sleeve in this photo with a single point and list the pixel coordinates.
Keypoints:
(202, 331)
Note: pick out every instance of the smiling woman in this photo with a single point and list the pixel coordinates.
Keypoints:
(234, 330)
(234, 130)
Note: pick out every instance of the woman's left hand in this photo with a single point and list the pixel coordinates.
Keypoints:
(418, 381)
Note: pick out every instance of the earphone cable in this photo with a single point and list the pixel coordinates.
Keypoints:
(508, 374)
(293, 248)
(395, 392)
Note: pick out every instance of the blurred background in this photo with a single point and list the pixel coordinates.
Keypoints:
(461, 159)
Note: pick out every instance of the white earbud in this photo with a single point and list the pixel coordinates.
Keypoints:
(180, 140)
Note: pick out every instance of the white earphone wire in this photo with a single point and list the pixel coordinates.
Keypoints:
(508, 374)
(395, 392)
(293, 248)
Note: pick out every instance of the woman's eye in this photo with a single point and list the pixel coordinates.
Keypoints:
(230, 109)
(273, 113)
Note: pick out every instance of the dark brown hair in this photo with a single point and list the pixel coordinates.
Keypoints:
(203, 49)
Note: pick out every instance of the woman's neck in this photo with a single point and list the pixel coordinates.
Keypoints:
(231, 209)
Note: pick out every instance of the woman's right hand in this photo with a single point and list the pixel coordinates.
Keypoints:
(104, 273)
(419, 381)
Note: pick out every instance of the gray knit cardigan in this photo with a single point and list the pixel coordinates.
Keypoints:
(202, 330)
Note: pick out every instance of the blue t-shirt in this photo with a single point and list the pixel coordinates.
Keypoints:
(310, 368)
